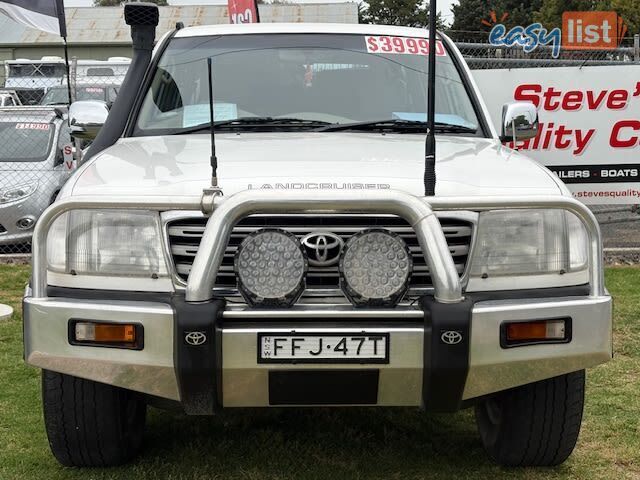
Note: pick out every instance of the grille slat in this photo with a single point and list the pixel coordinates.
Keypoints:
(191, 250)
(185, 269)
(185, 235)
(194, 231)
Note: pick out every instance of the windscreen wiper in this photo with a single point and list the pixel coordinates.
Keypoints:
(257, 122)
(396, 124)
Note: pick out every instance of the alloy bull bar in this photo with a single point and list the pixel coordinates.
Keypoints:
(424, 370)
(225, 212)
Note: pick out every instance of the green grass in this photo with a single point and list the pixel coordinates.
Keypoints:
(330, 444)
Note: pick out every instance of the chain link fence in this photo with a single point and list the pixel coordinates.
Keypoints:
(37, 155)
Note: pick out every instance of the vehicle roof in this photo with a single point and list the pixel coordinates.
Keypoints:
(39, 114)
(332, 28)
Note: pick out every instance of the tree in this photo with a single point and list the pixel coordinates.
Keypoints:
(520, 13)
(469, 14)
(550, 13)
(116, 3)
(630, 13)
(408, 13)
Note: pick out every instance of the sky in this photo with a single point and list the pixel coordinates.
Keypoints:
(444, 6)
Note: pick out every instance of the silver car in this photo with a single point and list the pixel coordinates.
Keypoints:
(32, 167)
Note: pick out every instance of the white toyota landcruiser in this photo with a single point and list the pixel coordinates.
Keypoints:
(315, 271)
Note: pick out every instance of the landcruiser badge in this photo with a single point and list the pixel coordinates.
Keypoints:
(451, 337)
(323, 248)
(195, 338)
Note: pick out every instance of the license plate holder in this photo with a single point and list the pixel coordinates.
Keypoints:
(335, 348)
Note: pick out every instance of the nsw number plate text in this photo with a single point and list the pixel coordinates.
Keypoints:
(323, 348)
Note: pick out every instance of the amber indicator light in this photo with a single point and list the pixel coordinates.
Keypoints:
(538, 331)
(108, 334)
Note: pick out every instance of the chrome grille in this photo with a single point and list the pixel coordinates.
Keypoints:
(185, 235)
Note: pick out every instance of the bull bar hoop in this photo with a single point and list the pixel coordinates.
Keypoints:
(225, 212)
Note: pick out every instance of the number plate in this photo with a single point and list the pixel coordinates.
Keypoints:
(323, 347)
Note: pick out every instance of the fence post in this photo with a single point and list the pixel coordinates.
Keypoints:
(636, 47)
(74, 76)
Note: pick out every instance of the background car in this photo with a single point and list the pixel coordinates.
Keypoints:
(32, 167)
(59, 95)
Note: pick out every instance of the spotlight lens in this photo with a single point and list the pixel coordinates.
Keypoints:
(270, 266)
(375, 268)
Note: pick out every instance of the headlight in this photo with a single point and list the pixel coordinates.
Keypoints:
(107, 242)
(17, 193)
(271, 266)
(529, 242)
(375, 267)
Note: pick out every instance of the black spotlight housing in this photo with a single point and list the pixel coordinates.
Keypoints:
(271, 268)
(372, 292)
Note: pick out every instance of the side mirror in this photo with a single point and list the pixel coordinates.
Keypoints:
(519, 122)
(86, 118)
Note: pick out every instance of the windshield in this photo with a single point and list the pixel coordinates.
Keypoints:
(25, 141)
(60, 96)
(334, 79)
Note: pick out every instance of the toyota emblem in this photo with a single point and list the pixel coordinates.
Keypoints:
(323, 248)
(451, 337)
(195, 338)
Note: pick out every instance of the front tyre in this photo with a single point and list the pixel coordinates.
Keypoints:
(533, 425)
(91, 424)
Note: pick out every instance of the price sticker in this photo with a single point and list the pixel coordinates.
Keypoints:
(402, 45)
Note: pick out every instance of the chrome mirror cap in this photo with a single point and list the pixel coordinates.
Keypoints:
(519, 121)
(86, 118)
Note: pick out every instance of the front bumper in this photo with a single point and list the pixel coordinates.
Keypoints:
(225, 373)
(423, 369)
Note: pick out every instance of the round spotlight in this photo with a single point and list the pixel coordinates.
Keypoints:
(270, 266)
(375, 268)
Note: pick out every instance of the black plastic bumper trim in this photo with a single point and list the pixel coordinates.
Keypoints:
(165, 297)
(447, 335)
(197, 354)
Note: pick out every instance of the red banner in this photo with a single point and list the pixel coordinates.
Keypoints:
(243, 11)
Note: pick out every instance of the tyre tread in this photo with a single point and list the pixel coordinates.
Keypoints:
(548, 414)
(85, 421)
